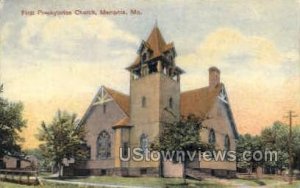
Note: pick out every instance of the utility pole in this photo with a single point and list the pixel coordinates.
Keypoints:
(290, 116)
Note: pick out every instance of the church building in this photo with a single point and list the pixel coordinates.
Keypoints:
(116, 120)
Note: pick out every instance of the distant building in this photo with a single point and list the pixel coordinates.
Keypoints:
(115, 120)
(15, 162)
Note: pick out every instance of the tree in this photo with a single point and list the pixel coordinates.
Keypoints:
(11, 124)
(296, 141)
(250, 144)
(180, 136)
(276, 138)
(62, 139)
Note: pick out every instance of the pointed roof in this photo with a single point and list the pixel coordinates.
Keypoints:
(121, 99)
(156, 43)
(200, 101)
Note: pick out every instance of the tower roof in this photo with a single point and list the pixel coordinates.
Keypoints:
(156, 43)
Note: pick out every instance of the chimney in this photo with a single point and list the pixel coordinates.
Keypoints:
(214, 77)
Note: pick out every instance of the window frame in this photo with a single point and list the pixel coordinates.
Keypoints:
(104, 108)
(226, 142)
(171, 103)
(106, 147)
(143, 138)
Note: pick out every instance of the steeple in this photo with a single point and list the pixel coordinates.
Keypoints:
(155, 55)
(156, 41)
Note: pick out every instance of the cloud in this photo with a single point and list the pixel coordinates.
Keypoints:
(45, 80)
(71, 29)
(262, 82)
(238, 56)
(5, 33)
(59, 62)
(42, 37)
(1, 4)
(44, 87)
(229, 44)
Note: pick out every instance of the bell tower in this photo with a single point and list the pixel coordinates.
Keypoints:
(154, 93)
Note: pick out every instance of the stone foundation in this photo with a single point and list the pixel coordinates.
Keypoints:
(134, 172)
(221, 173)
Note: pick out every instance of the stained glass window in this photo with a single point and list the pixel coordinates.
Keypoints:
(104, 145)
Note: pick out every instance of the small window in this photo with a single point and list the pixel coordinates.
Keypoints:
(212, 172)
(18, 164)
(144, 102)
(144, 58)
(104, 108)
(227, 143)
(103, 172)
(143, 171)
(125, 150)
(144, 142)
(171, 102)
(212, 137)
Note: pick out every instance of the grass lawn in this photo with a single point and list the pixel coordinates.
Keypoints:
(148, 181)
(164, 182)
(13, 185)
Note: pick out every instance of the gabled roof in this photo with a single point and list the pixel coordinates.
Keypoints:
(121, 99)
(200, 101)
(157, 45)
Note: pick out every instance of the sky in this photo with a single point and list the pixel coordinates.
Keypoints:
(59, 62)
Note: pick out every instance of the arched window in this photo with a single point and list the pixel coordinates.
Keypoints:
(227, 143)
(212, 137)
(104, 145)
(144, 102)
(144, 142)
(171, 102)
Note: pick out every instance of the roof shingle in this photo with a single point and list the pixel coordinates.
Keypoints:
(121, 99)
(198, 101)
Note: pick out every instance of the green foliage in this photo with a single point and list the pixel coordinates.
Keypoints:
(274, 138)
(182, 135)
(43, 163)
(62, 138)
(11, 124)
(35, 152)
(248, 143)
